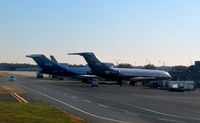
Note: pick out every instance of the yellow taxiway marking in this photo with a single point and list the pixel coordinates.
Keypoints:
(15, 97)
(19, 98)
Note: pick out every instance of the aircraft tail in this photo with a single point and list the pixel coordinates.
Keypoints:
(53, 59)
(93, 62)
(41, 60)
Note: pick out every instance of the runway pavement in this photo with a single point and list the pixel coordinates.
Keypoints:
(112, 103)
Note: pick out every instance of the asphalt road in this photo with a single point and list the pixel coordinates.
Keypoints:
(112, 103)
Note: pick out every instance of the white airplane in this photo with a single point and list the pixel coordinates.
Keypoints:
(121, 75)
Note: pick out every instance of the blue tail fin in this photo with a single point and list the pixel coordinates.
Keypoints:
(41, 60)
(93, 62)
(44, 63)
(53, 59)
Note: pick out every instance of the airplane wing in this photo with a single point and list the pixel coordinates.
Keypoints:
(142, 78)
(89, 76)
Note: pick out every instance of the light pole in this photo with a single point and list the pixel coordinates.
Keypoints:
(117, 61)
(134, 63)
(148, 62)
(163, 63)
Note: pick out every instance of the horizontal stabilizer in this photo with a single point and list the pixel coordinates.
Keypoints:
(35, 55)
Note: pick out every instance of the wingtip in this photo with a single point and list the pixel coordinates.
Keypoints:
(34, 55)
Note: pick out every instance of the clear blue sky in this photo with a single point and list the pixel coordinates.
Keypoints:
(129, 30)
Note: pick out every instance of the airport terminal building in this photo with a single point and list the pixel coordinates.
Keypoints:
(192, 73)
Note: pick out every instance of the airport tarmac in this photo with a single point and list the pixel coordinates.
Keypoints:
(112, 103)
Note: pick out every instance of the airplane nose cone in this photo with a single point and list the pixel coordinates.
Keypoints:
(168, 75)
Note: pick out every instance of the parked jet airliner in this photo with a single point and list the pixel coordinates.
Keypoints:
(121, 75)
(52, 67)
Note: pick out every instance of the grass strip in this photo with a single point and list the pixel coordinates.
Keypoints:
(12, 112)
